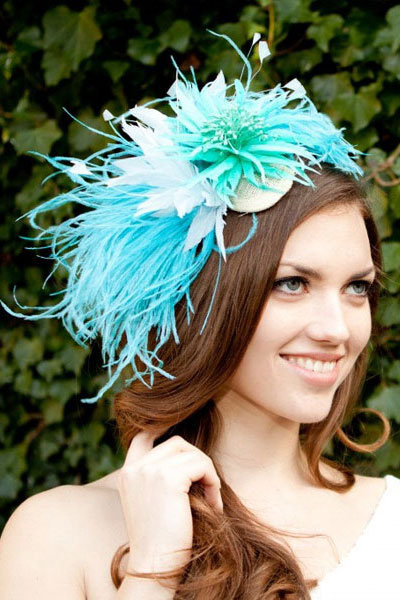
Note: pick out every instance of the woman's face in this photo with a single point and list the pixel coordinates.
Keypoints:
(325, 313)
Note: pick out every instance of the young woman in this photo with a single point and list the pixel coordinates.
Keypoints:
(255, 402)
(224, 492)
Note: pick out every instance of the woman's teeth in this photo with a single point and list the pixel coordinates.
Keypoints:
(312, 365)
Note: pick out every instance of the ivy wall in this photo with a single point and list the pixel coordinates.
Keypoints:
(84, 57)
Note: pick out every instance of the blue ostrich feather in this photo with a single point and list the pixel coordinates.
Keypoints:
(154, 201)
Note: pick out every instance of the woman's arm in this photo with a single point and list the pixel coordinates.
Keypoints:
(38, 553)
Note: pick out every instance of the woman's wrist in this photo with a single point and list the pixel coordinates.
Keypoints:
(140, 588)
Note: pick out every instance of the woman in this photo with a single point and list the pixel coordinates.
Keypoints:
(223, 487)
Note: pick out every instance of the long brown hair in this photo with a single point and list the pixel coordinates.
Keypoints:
(234, 555)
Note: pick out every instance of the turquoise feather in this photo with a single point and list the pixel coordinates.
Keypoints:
(155, 200)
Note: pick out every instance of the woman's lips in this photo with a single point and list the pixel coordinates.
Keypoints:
(318, 379)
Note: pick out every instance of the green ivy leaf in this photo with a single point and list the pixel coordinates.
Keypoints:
(394, 196)
(10, 485)
(39, 139)
(364, 139)
(353, 45)
(394, 371)
(12, 460)
(49, 443)
(388, 456)
(391, 255)
(324, 29)
(294, 11)
(81, 138)
(359, 108)
(56, 65)
(101, 461)
(39, 389)
(177, 36)
(6, 372)
(73, 454)
(75, 34)
(389, 35)
(396, 166)
(390, 101)
(60, 391)
(379, 205)
(29, 40)
(73, 357)
(375, 157)
(91, 434)
(302, 61)
(387, 400)
(388, 312)
(52, 410)
(391, 63)
(23, 382)
(326, 88)
(116, 68)
(33, 190)
(48, 369)
(342, 102)
(144, 51)
(28, 352)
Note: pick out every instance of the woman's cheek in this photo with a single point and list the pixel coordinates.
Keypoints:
(361, 330)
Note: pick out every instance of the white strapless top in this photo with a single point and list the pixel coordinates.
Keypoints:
(370, 571)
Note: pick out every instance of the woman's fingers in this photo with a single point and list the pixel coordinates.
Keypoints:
(140, 445)
(176, 456)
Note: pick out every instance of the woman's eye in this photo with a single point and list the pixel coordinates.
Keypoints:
(291, 283)
(361, 286)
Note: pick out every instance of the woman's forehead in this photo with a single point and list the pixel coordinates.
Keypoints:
(338, 234)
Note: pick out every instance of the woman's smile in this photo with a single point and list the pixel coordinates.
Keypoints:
(325, 376)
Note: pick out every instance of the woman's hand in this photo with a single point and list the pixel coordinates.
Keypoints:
(154, 484)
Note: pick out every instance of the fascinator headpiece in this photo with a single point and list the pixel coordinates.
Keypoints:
(155, 200)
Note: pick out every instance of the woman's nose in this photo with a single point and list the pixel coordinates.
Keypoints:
(328, 321)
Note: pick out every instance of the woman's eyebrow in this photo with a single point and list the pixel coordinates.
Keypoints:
(312, 273)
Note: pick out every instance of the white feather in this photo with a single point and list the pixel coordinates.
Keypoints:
(217, 86)
(263, 50)
(298, 89)
(79, 167)
(202, 224)
(107, 115)
(219, 227)
(151, 117)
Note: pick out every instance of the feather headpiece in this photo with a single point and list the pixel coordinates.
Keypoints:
(156, 198)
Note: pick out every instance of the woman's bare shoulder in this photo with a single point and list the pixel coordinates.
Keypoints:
(63, 533)
(39, 547)
(109, 482)
(65, 508)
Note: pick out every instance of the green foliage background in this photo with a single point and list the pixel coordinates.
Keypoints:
(89, 56)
